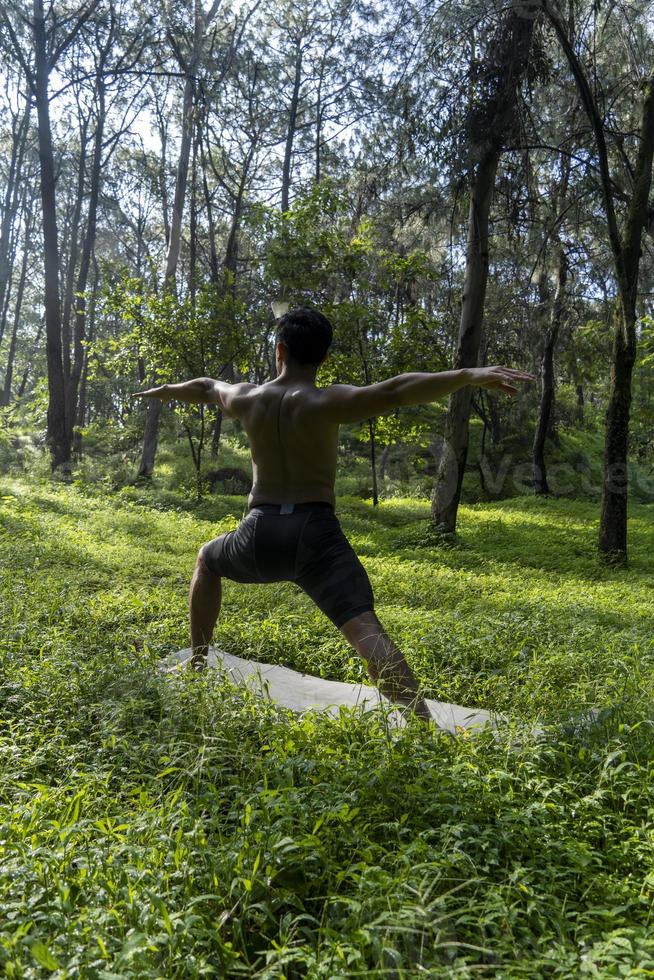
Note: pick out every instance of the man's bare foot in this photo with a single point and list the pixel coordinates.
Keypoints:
(194, 664)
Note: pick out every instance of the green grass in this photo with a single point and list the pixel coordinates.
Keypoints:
(152, 828)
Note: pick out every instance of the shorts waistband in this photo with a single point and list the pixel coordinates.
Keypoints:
(292, 508)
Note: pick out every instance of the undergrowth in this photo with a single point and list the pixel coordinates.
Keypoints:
(158, 828)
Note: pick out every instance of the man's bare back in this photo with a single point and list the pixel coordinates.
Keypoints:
(293, 444)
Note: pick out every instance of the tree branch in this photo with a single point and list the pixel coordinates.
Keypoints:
(592, 111)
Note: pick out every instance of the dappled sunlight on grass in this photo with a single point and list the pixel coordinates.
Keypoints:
(170, 829)
(516, 613)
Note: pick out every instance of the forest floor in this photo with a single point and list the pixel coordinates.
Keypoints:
(158, 829)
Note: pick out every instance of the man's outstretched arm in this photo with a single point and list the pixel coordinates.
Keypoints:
(199, 391)
(348, 403)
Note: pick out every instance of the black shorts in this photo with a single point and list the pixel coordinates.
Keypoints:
(305, 546)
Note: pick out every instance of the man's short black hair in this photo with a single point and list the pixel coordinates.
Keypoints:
(307, 335)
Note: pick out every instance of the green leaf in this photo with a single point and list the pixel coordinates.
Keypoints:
(43, 956)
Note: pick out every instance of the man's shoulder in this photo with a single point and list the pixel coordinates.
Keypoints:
(240, 389)
(336, 392)
(243, 387)
(232, 396)
(338, 395)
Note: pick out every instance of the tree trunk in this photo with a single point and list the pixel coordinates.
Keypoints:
(57, 435)
(6, 299)
(449, 478)
(11, 199)
(82, 278)
(215, 436)
(579, 414)
(494, 418)
(5, 396)
(626, 249)
(68, 299)
(193, 226)
(150, 438)
(547, 378)
(80, 416)
(292, 123)
(213, 250)
(153, 409)
(539, 470)
(163, 165)
(373, 463)
(231, 249)
(319, 112)
(490, 121)
(383, 460)
(181, 181)
(482, 454)
(613, 516)
(26, 373)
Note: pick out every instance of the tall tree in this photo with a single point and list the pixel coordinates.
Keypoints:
(553, 310)
(13, 180)
(48, 46)
(191, 46)
(556, 312)
(5, 394)
(492, 119)
(625, 245)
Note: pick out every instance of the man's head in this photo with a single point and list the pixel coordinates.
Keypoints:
(303, 338)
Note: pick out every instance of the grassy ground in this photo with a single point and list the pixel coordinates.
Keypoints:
(152, 829)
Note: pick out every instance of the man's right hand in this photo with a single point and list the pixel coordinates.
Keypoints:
(499, 378)
(161, 392)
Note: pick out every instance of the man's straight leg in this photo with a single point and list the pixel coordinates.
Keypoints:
(386, 665)
(204, 606)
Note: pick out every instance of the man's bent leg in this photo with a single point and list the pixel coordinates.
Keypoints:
(204, 605)
(387, 667)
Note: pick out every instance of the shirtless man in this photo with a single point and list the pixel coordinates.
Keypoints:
(291, 532)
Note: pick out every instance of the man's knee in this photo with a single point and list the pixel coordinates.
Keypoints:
(201, 565)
